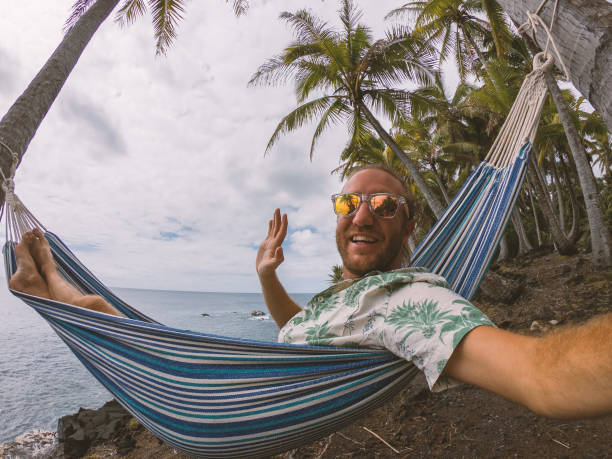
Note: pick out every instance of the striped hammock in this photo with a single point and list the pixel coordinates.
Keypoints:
(213, 396)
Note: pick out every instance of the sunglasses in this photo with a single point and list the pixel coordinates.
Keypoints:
(382, 205)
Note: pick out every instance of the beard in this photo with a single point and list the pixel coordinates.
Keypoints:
(383, 260)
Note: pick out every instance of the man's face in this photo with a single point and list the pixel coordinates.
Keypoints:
(365, 242)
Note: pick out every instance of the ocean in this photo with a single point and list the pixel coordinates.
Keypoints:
(41, 380)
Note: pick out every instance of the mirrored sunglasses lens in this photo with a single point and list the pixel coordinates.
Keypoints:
(346, 204)
(384, 206)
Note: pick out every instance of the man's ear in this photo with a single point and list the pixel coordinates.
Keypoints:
(408, 230)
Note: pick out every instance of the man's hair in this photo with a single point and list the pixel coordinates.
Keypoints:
(409, 208)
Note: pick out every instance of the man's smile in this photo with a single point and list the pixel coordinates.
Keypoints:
(360, 239)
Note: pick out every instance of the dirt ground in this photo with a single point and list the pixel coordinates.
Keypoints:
(467, 421)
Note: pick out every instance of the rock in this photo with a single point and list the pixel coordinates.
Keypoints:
(258, 313)
(205, 314)
(537, 327)
(499, 288)
(76, 433)
(553, 322)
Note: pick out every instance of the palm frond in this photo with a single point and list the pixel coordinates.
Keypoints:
(298, 117)
(240, 7)
(499, 27)
(166, 14)
(78, 9)
(130, 11)
(311, 76)
(310, 29)
(272, 72)
(349, 16)
(332, 115)
(394, 103)
(409, 11)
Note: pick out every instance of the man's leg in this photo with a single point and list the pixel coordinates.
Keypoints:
(59, 288)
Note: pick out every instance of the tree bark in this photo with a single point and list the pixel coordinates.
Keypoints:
(535, 218)
(564, 246)
(430, 198)
(583, 34)
(524, 244)
(20, 123)
(601, 241)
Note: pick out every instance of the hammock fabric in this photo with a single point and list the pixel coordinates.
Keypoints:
(213, 396)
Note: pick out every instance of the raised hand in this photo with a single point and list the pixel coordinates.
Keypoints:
(270, 253)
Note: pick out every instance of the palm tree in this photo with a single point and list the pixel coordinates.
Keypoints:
(355, 76)
(458, 27)
(582, 25)
(601, 240)
(20, 123)
(336, 275)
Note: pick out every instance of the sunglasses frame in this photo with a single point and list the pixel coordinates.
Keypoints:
(367, 198)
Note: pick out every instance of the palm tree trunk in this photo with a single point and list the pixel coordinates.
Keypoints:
(20, 123)
(432, 200)
(524, 244)
(535, 218)
(601, 241)
(559, 195)
(582, 35)
(573, 234)
(440, 184)
(504, 251)
(564, 246)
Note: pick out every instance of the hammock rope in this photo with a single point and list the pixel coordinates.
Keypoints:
(214, 396)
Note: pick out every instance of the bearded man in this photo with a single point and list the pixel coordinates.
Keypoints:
(415, 315)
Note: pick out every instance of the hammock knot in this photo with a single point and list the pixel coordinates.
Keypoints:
(8, 186)
(543, 61)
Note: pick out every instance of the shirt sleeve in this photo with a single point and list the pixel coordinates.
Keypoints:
(424, 324)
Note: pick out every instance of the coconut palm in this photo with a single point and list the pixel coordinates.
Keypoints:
(20, 123)
(355, 76)
(458, 27)
(336, 275)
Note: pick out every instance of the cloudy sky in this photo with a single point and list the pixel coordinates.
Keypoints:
(152, 168)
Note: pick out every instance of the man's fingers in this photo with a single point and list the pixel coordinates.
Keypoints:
(270, 227)
(277, 221)
(283, 228)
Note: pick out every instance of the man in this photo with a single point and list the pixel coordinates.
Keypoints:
(565, 374)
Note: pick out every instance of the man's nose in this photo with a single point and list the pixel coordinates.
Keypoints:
(363, 216)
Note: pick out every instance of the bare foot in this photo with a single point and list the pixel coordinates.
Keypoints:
(59, 288)
(27, 279)
(41, 253)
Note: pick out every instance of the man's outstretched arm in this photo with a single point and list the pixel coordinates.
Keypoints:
(565, 374)
(269, 257)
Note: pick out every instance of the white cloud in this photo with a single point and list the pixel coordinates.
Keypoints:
(153, 169)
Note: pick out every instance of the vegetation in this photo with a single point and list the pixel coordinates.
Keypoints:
(438, 136)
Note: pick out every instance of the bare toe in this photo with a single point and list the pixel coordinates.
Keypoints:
(41, 251)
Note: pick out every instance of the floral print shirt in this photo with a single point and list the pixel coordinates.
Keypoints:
(410, 312)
